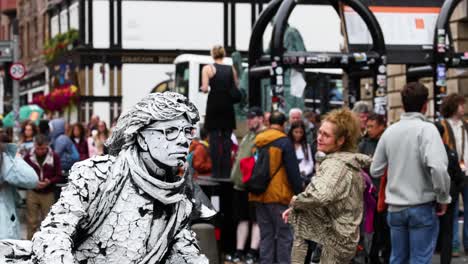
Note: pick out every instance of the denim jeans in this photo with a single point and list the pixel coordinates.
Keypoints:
(414, 234)
(456, 236)
(276, 237)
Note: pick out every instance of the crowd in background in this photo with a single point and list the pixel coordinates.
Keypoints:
(50, 148)
(338, 188)
(329, 208)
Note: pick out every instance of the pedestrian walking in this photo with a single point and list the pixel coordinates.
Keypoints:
(28, 131)
(418, 185)
(297, 135)
(362, 111)
(276, 236)
(331, 208)
(457, 178)
(14, 173)
(44, 127)
(46, 164)
(102, 135)
(78, 136)
(63, 145)
(200, 158)
(93, 124)
(218, 79)
(244, 211)
(380, 247)
(456, 138)
(312, 123)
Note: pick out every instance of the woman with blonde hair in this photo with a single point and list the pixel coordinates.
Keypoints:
(330, 209)
(220, 120)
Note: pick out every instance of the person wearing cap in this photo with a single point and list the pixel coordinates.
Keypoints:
(276, 237)
(244, 212)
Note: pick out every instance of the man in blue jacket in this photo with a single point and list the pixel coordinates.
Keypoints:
(63, 145)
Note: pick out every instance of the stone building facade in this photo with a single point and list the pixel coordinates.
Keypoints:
(33, 33)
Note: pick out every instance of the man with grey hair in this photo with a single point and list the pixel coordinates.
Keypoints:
(295, 115)
(131, 206)
(362, 110)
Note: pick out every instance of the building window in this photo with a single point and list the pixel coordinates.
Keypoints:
(29, 39)
(23, 99)
(45, 29)
(23, 42)
(35, 35)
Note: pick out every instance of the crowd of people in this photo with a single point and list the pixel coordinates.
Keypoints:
(348, 189)
(40, 163)
(342, 187)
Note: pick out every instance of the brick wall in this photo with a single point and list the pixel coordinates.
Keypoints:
(33, 30)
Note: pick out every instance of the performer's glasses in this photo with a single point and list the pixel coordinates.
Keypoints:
(172, 133)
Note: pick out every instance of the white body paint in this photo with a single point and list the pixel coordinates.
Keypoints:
(124, 209)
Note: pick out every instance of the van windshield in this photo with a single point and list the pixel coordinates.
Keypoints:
(182, 78)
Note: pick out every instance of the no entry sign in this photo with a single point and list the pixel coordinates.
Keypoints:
(17, 71)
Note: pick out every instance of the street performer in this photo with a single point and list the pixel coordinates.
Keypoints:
(130, 206)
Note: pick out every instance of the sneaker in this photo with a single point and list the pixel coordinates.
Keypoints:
(238, 257)
(228, 258)
(251, 257)
(455, 252)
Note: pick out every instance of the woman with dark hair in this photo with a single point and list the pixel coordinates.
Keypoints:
(455, 136)
(103, 131)
(28, 131)
(303, 150)
(43, 127)
(14, 172)
(78, 136)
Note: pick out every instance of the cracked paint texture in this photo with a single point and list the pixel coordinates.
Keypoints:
(116, 210)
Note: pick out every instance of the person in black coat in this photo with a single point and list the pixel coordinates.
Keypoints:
(446, 221)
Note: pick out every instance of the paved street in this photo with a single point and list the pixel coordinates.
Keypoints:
(463, 259)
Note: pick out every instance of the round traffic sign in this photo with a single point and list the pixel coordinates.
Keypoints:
(17, 71)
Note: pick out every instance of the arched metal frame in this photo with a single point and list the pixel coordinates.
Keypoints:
(256, 51)
(273, 65)
(444, 56)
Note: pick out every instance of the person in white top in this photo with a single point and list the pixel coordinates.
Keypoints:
(456, 137)
(303, 150)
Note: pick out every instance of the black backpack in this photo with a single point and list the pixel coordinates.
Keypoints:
(260, 179)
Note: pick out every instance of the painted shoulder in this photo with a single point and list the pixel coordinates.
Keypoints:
(95, 166)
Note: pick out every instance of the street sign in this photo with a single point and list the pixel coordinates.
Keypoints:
(17, 71)
(6, 51)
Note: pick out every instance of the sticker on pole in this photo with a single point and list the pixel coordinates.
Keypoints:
(17, 71)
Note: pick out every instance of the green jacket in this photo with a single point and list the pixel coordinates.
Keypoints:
(245, 150)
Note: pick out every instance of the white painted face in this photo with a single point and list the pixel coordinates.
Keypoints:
(168, 141)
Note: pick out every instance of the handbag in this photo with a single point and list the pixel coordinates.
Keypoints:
(236, 95)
